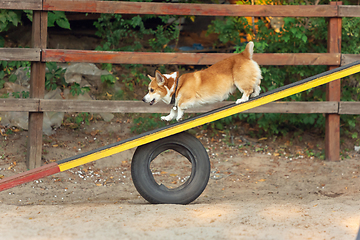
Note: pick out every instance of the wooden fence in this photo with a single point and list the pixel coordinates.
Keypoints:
(38, 54)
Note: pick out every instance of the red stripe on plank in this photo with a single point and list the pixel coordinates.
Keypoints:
(28, 176)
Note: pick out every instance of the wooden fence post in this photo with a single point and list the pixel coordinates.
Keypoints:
(333, 92)
(37, 89)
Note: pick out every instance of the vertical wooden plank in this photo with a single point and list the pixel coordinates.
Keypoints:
(37, 88)
(333, 91)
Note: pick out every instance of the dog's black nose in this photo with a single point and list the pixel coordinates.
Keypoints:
(143, 99)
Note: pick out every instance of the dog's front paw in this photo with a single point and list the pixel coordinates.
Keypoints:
(179, 117)
(166, 118)
(240, 101)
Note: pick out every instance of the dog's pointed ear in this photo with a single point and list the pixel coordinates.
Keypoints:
(160, 79)
(174, 75)
(151, 78)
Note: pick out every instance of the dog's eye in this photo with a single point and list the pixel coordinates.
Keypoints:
(151, 90)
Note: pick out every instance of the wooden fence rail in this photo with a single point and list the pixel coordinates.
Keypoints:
(21, 5)
(57, 55)
(39, 55)
(99, 106)
(92, 6)
(65, 55)
(273, 59)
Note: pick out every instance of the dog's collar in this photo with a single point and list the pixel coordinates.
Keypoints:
(173, 96)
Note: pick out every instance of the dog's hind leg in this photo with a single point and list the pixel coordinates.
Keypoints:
(245, 94)
(244, 98)
(256, 92)
(180, 113)
(247, 90)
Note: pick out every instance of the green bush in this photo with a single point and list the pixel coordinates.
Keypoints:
(134, 34)
(10, 18)
(128, 34)
(298, 35)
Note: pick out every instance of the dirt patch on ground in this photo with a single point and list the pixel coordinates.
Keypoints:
(267, 190)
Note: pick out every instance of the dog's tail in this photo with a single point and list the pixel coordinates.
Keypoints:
(249, 50)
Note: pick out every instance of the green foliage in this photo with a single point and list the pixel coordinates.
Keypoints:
(127, 34)
(9, 131)
(146, 123)
(164, 34)
(76, 89)
(83, 118)
(7, 69)
(59, 18)
(23, 94)
(350, 35)
(136, 34)
(110, 79)
(135, 77)
(9, 18)
(54, 76)
(298, 35)
(228, 30)
(76, 120)
(119, 95)
(132, 34)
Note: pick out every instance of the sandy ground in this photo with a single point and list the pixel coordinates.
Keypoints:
(258, 194)
(248, 219)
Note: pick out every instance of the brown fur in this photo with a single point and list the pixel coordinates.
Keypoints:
(209, 85)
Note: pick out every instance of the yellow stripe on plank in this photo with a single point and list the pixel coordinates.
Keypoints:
(209, 118)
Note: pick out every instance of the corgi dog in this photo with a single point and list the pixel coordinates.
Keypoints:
(210, 85)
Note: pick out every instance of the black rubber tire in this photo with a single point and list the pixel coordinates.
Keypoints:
(188, 146)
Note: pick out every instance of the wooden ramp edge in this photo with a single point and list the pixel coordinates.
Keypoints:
(178, 127)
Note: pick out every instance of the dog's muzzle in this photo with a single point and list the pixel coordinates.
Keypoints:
(147, 99)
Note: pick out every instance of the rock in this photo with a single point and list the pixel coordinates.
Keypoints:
(23, 76)
(77, 72)
(52, 119)
(10, 88)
